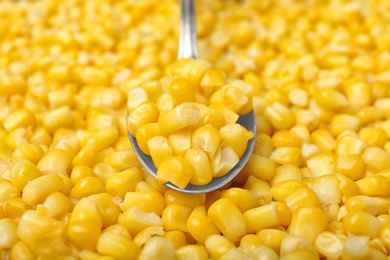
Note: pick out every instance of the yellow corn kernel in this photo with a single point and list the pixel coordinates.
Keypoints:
(165, 102)
(260, 167)
(242, 198)
(60, 97)
(351, 166)
(135, 97)
(57, 118)
(182, 90)
(376, 159)
(118, 229)
(176, 170)
(12, 84)
(211, 81)
(159, 149)
(261, 188)
(302, 132)
(30, 224)
(181, 116)
(29, 152)
(324, 140)
(218, 245)
(147, 201)
(19, 118)
(268, 213)
(175, 217)
(187, 200)
(356, 247)
(20, 250)
(349, 145)
(286, 172)
(284, 213)
(292, 243)
(144, 133)
(143, 114)
(117, 246)
(383, 204)
(199, 225)
(14, 208)
(369, 114)
(342, 122)
(359, 223)
(272, 238)
(104, 138)
(304, 197)
(180, 141)
(177, 237)
(327, 189)
(119, 183)
(87, 186)
(7, 191)
(282, 190)
(229, 115)
(8, 229)
(16, 138)
(136, 219)
(55, 161)
(233, 97)
(37, 190)
(285, 138)
(227, 217)
(373, 136)
(322, 164)
(249, 242)
(224, 160)
(55, 205)
(21, 172)
(287, 155)
(80, 172)
(206, 138)
(377, 185)
(195, 252)
(347, 186)
(86, 156)
(330, 98)
(307, 118)
(362, 203)
(265, 252)
(280, 116)
(263, 145)
(234, 253)
(236, 136)
(298, 97)
(122, 160)
(210, 116)
(202, 171)
(108, 207)
(329, 245)
(158, 247)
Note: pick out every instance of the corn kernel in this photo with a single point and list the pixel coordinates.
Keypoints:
(224, 160)
(87, 186)
(195, 252)
(158, 247)
(147, 201)
(202, 171)
(293, 243)
(376, 185)
(280, 116)
(243, 199)
(117, 246)
(146, 132)
(176, 170)
(177, 237)
(8, 228)
(37, 190)
(119, 183)
(268, 213)
(181, 116)
(376, 159)
(261, 188)
(324, 140)
(218, 245)
(187, 200)
(159, 149)
(108, 208)
(264, 251)
(304, 197)
(287, 155)
(260, 167)
(359, 223)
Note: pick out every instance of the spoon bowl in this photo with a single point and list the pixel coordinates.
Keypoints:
(188, 49)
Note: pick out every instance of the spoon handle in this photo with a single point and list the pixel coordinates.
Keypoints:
(188, 45)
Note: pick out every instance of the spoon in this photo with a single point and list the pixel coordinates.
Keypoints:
(188, 49)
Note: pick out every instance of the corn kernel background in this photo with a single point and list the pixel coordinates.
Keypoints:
(317, 184)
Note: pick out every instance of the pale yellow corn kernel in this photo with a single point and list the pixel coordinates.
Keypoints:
(351, 166)
(234, 253)
(21, 172)
(118, 229)
(322, 164)
(19, 118)
(356, 247)
(86, 156)
(224, 160)
(268, 213)
(377, 185)
(287, 155)
(122, 160)
(20, 250)
(373, 136)
(98, 120)
(298, 97)
(260, 167)
(272, 238)
(286, 172)
(104, 138)
(87, 186)
(249, 243)
(263, 145)
(229, 115)
(211, 80)
(376, 159)
(260, 104)
(307, 118)
(16, 138)
(147, 201)
(117, 246)
(282, 190)
(86, 254)
(233, 97)
(106, 97)
(385, 234)
(159, 149)
(206, 138)
(292, 243)
(236, 136)
(177, 237)
(187, 200)
(330, 98)
(176, 170)
(227, 217)
(14, 208)
(119, 183)
(180, 141)
(57, 118)
(383, 204)
(280, 116)
(37, 190)
(199, 225)
(327, 190)
(360, 223)
(153, 89)
(60, 97)
(284, 213)
(8, 229)
(145, 113)
(135, 97)
(80, 172)
(349, 145)
(276, 95)
(136, 219)
(304, 197)
(175, 217)
(158, 247)
(378, 248)
(165, 102)
(55, 205)
(217, 246)
(210, 116)
(145, 133)
(202, 171)
(264, 126)
(195, 252)
(329, 245)
(342, 122)
(12, 84)
(29, 152)
(55, 161)
(242, 198)
(261, 188)
(264, 252)
(347, 186)
(324, 140)
(362, 203)
(182, 90)
(183, 115)
(302, 132)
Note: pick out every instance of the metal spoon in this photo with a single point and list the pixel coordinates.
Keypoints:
(188, 49)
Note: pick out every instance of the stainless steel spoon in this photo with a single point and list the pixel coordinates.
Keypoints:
(188, 49)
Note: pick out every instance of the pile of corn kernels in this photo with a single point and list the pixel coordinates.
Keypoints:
(316, 186)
